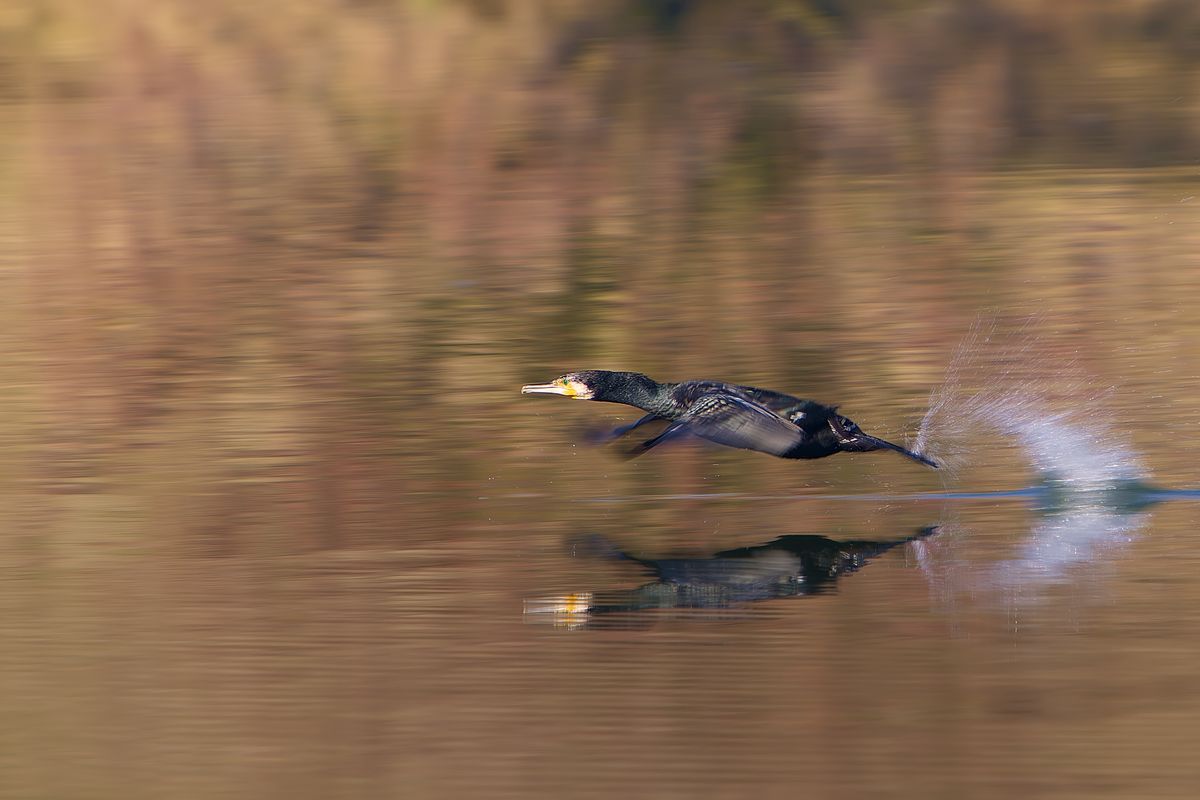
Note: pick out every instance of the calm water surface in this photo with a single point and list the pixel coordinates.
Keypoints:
(165, 636)
(278, 523)
(412, 672)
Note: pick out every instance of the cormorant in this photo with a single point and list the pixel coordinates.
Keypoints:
(736, 416)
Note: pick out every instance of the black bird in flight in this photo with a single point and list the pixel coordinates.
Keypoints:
(735, 416)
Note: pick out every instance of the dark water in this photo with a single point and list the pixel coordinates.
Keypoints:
(278, 524)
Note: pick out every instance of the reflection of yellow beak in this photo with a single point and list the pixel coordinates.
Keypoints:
(556, 387)
(565, 611)
(578, 603)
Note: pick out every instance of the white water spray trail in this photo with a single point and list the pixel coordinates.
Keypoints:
(1029, 389)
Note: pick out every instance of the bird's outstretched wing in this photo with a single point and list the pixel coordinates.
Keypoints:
(734, 421)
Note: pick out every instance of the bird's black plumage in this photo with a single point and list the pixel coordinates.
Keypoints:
(745, 417)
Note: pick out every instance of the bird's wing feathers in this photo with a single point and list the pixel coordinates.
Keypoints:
(787, 406)
(769, 399)
(735, 421)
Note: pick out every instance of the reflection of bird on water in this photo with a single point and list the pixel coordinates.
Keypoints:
(735, 416)
(789, 566)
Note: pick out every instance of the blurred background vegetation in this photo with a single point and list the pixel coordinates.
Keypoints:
(287, 262)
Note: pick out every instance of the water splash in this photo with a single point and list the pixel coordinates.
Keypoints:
(1029, 388)
(1014, 381)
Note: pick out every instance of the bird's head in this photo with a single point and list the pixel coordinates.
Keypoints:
(573, 384)
(595, 384)
(851, 439)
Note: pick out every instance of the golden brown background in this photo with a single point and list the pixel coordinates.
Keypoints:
(272, 272)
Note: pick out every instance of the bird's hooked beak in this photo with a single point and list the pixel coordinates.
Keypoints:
(863, 442)
(563, 386)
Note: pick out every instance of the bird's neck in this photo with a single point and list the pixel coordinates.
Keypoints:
(644, 393)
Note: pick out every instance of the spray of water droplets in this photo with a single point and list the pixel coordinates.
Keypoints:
(1021, 385)
(1013, 380)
